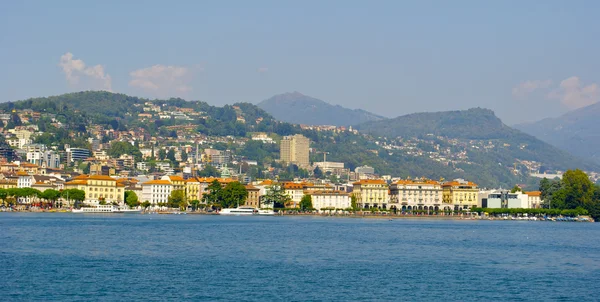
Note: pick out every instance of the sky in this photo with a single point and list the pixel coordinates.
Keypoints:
(526, 60)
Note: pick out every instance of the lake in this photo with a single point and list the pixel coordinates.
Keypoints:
(64, 256)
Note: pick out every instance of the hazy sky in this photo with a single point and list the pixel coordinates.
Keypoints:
(526, 60)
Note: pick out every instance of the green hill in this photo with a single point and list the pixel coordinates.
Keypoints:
(479, 125)
(472, 144)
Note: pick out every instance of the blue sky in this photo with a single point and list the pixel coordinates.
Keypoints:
(526, 60)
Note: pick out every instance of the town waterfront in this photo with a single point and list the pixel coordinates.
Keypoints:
(56, 256)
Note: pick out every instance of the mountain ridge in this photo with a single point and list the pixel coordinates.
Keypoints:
(577, 131)
(297, 108)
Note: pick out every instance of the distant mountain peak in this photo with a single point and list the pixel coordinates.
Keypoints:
(295, 107)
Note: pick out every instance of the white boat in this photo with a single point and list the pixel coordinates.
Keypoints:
(266, 212)
(239, 211)
(106, 209)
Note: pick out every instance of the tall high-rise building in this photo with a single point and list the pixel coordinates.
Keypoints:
(294, 150)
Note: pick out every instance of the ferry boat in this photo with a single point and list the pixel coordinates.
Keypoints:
(106, 209)
(239, 211)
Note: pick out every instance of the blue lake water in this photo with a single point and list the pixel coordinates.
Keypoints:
(51, 256)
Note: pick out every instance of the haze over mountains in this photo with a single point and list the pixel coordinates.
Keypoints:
(297, 108)
(577, 132)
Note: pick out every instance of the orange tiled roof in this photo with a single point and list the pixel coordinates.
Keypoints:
(456, 184)
(370, 182)
(251, 187)
(534, 193)
(412, 182)
(157, 182)
(101, 177)
(176, 178)
(325, 192)
(291, 186)
(76, 182)
(266, 182)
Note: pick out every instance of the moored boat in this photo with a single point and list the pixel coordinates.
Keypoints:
(268, 212)
(106, 209)
(239, 211)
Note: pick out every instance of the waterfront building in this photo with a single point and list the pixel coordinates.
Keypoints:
(409, 195)
(503, 199)
(371, 193)
(330, 199)
(294, 150)
(177, 181)
(534, 199)
(156, 191)
(98, 187)
(253, 199)
(294, 191)
(460, 193)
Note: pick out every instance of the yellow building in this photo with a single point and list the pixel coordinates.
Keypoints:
(177, 181)
(460, 193)
(196, 187)
(253, 199)
(8, 183)
(98, 187)
(371, 193)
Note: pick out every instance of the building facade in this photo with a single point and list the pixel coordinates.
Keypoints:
(330, 200)
(156, 191)
(409, 195)
(294, 150)
(461, 194)
(371, 193)
(98, 188)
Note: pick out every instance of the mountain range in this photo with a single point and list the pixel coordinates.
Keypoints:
(297, 108)
(577, 132)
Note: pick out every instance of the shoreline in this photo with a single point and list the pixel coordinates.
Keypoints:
(355, 216)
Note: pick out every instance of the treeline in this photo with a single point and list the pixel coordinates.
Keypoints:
(574, 191)
(533, 212)
(10, 196)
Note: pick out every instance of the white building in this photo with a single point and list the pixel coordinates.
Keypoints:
(330, 199)
(535, 199)
(505, 200)
(156, 191)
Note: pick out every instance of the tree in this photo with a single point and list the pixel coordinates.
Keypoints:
(145, 204)
(73, 194)
(184, 156)
(318, 172)
(516, 189)
(51, 195)
(177, 199)
(162, 154)
(306, 203)
(131, 199)
(275, 197)
(234, 194)
(3, 195)
(209, 171)
(579, 189)
(171, 155)
(353, 202)
(195, 204)
(214, 193)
